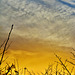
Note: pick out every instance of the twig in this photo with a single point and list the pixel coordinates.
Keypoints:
(70, 62)
(73, 54)
(2, 44)
(6, 45)
(63, 64)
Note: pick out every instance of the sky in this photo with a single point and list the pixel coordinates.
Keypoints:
(39, 25)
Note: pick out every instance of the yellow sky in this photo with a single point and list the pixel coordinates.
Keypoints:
(36, 57)
(41, 28)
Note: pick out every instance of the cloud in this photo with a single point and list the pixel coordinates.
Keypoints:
(69, 3)
(47, 20)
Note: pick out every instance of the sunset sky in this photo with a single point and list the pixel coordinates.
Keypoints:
(41, 28)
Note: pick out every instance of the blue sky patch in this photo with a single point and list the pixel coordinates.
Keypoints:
(67, 3)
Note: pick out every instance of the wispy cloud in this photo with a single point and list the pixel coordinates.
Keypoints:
(69, 3)
(46, 20)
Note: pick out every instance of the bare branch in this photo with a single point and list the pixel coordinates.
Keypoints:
(73, 49)
(73, 54)
(2, 44)
(70, 62)
(6, 45)
(63, 64)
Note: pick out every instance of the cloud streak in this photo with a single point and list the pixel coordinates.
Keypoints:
(69, 3)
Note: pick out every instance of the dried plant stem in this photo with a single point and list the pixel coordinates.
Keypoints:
(63, 64)
(6, 45)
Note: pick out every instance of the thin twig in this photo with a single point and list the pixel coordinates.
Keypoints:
(6, 45)
(63, 64)
(2, 44)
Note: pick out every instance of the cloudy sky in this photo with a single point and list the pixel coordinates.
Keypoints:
(38, 24)
(51, 20)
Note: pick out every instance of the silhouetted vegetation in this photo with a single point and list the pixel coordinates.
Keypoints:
(12, 69)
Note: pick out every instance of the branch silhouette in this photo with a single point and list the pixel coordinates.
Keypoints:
(5, 46)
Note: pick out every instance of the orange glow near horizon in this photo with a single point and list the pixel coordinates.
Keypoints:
(38, 60)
